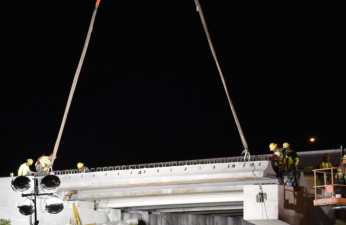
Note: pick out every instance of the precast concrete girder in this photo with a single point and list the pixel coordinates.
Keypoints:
(154, 209)
(217, 186)
(154, 201)
(163, 190)
(211, 209)
(188, 174)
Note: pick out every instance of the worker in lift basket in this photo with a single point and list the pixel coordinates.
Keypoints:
(43, 163)
(276, 160)
(324, 165)
(290, 161)
(82, 168)
(341, 176)
(24, 169)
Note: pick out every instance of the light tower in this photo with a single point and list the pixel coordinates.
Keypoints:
(49, 185)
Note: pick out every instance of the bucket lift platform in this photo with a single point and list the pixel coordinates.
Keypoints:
(327, 190)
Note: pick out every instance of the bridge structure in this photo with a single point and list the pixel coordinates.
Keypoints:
(222, 191)
(199, 186)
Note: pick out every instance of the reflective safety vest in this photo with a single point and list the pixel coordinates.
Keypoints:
(290, 160)
(324, 165)
(278, 161)
(23, 170)
(44, 161)
(341, 173)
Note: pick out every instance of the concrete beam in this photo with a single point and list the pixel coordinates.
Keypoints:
(210, 198)
(192, 174)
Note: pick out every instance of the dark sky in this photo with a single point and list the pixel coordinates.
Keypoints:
(149, 90)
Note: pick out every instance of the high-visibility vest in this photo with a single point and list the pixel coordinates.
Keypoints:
(341, 172)
(23, 169)
(324, 165)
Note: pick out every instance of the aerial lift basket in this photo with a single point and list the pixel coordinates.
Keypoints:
(327, 189)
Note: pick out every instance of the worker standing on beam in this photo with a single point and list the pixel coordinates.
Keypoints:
(82, 168)
(276, 160)
(43, 163)
(24, 169)
(290, 162)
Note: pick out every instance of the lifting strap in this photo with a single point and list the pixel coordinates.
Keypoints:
(75, 80)
(246, 151)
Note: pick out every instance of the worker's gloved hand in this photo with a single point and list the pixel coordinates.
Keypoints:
(45, 169)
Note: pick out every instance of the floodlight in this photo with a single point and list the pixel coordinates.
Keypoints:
(54, 204)
(26, 208)
(50, 182)
(21, 183)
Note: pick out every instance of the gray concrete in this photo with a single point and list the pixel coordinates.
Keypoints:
(219, 193)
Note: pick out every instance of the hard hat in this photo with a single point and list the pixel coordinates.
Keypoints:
(80, 165)
(344, 157)
(272, 146)
(286, 145)
(30, 161)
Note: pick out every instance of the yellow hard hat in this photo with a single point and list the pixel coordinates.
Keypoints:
(80, 165)
(30, 161)
(344, 157)
(272, 146)
(285, 145)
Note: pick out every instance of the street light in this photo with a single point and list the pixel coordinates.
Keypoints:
(49, 183)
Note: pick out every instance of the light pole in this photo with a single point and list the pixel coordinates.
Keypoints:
(49, 183)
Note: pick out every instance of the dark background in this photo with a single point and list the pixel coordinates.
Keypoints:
(149, 90)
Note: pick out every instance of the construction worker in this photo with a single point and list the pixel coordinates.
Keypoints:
(276, 160)
(82, 168)
(324, 165)
(341, 176)
(291, 162)
(44, 163)
(24, 169)
(326, 162)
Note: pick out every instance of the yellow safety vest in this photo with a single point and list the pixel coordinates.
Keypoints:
(23, 169)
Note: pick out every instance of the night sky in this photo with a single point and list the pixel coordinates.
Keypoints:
(149, 90)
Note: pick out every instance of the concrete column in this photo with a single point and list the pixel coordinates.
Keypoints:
(114, 215)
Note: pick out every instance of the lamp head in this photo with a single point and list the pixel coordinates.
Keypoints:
(21, 183)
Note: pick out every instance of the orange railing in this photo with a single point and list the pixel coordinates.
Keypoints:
(327, 189)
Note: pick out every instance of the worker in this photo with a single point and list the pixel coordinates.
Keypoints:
(276, 160)
(44, 163)
(326, 162)
(324, 165)
(341, 177)
(24, 169)
(291, 162)
(82, 168)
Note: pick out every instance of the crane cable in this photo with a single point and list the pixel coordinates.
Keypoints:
(75, 80)
(246, 151)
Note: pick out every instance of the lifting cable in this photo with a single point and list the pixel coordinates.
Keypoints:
(75, 80)
(246, 151)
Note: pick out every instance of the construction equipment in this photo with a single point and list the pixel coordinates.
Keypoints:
(327, 190)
